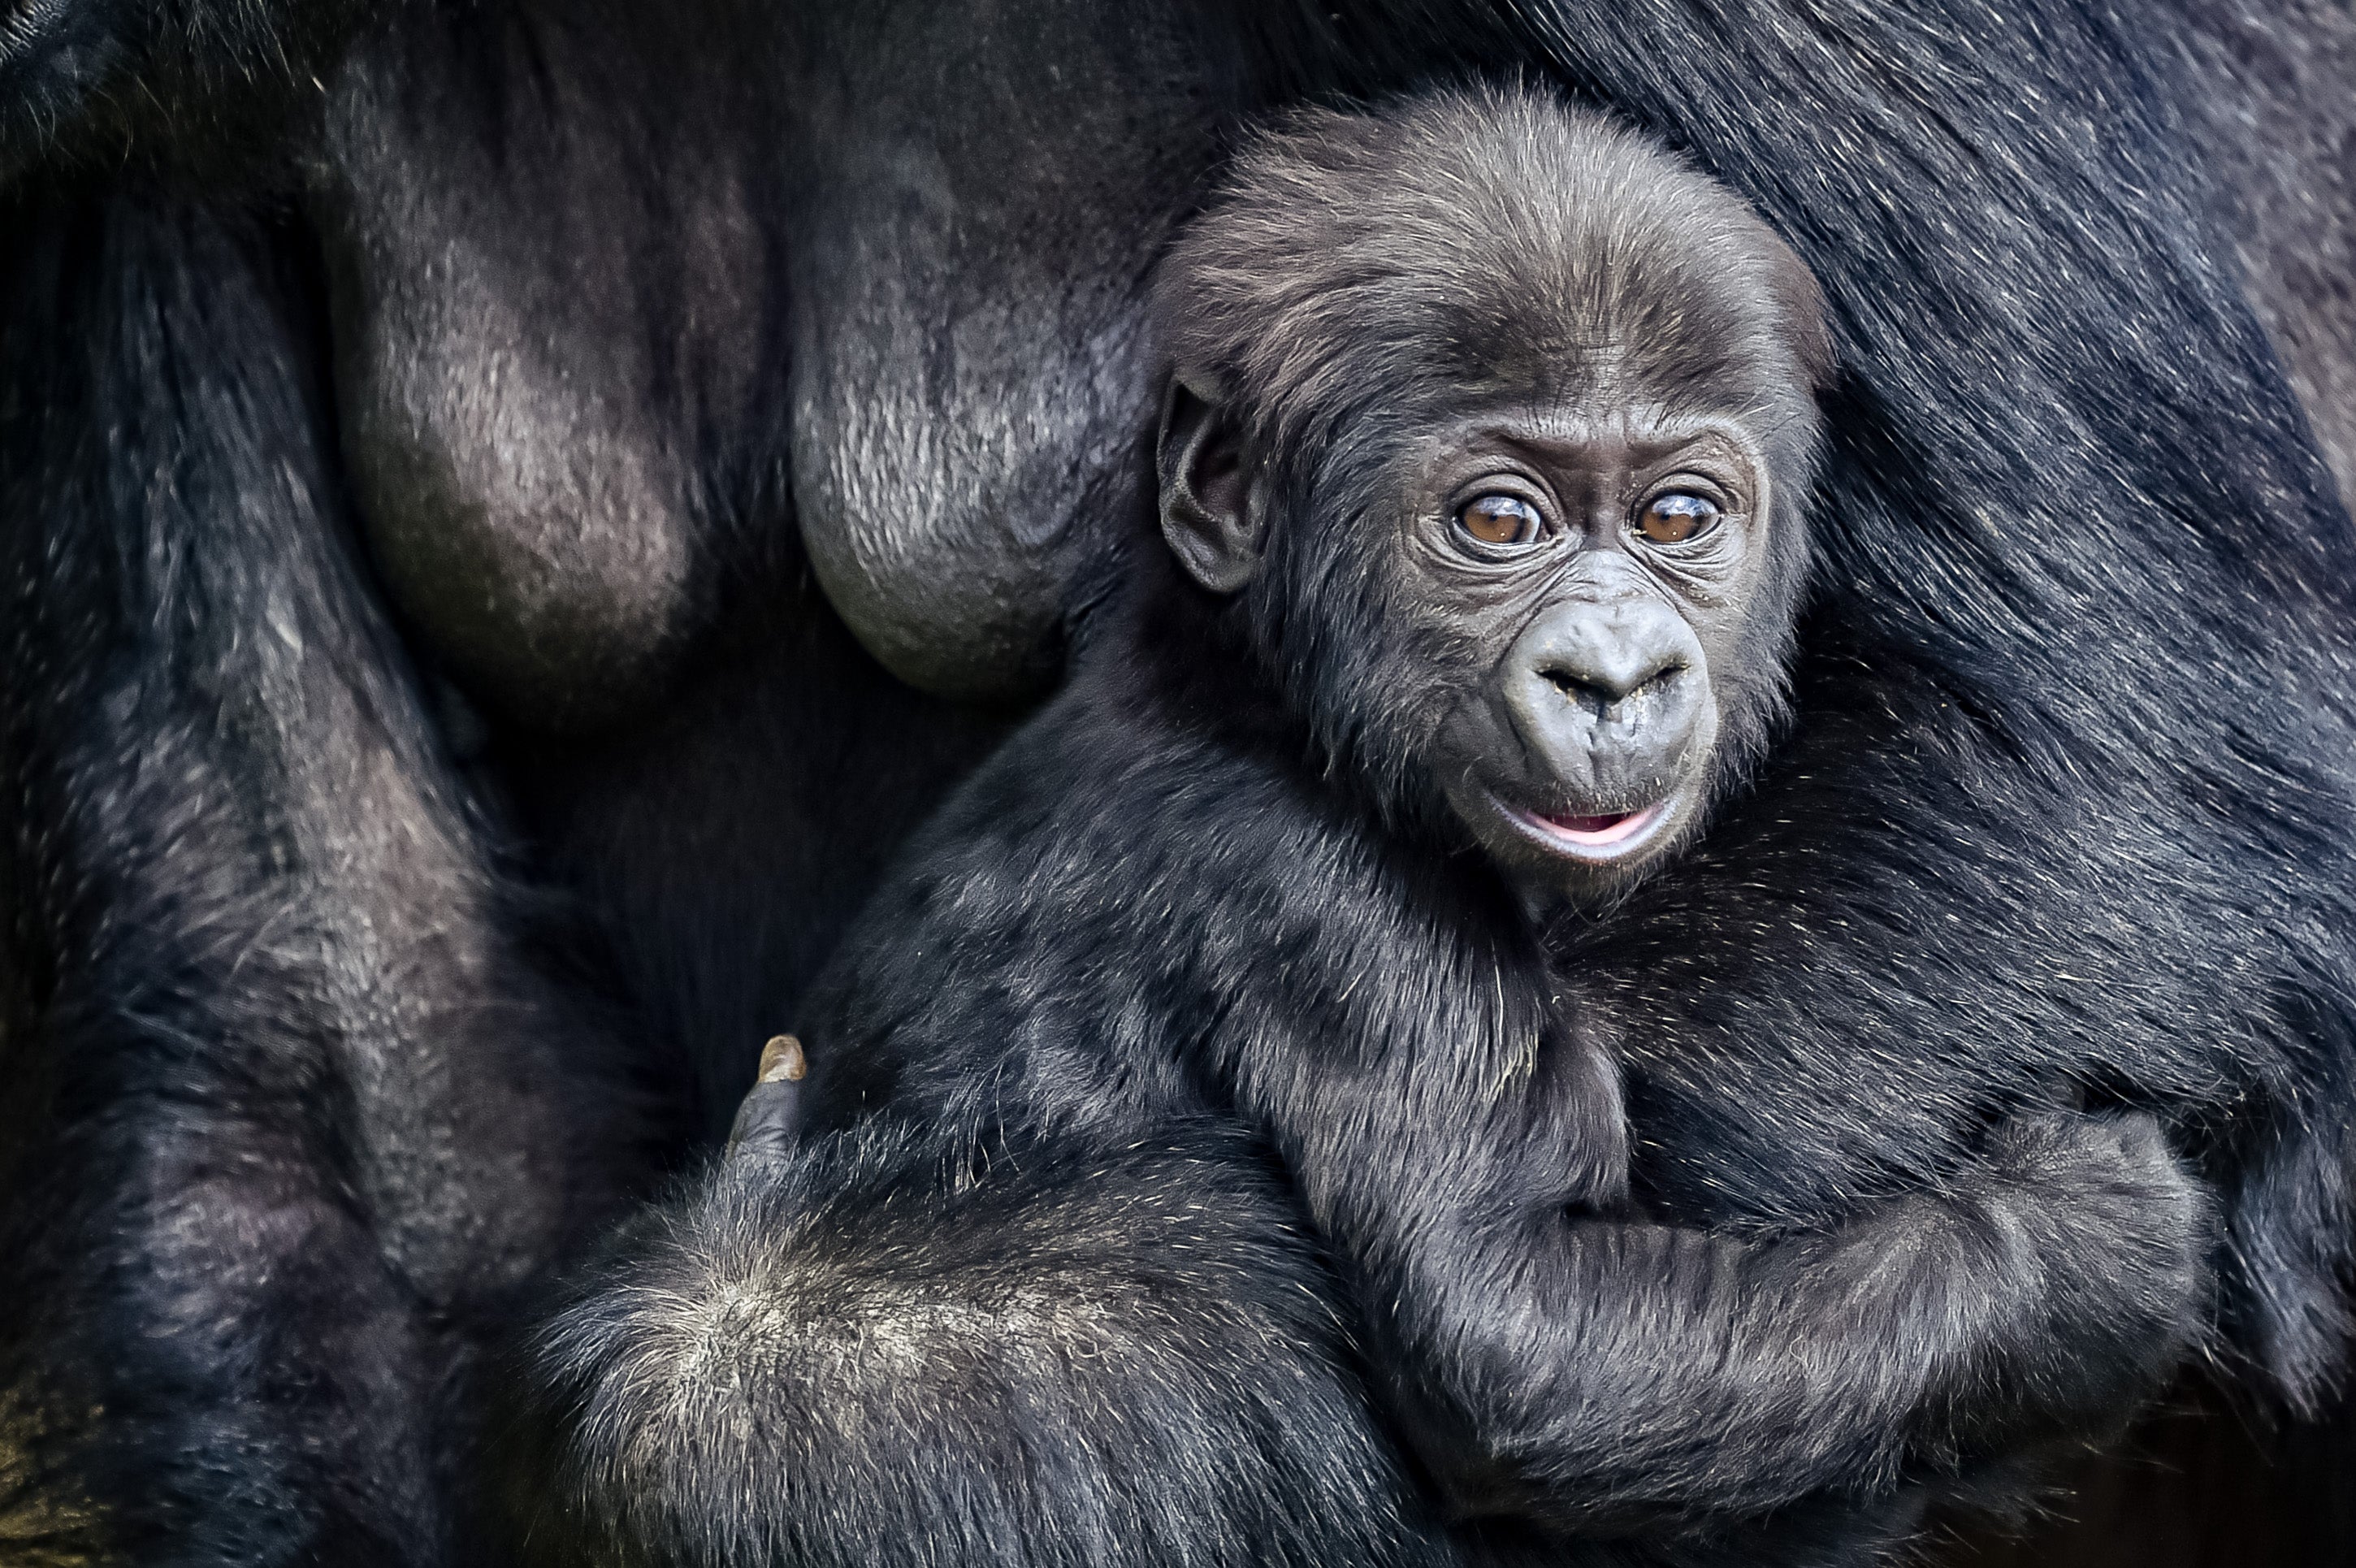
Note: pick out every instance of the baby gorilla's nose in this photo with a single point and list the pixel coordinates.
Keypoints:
(1608, 695)
(1600, 670)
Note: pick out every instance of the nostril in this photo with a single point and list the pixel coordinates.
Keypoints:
(1580, 691)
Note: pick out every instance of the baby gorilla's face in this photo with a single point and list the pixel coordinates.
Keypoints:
(1499, 391)
(1566, 619)
(1592, 593)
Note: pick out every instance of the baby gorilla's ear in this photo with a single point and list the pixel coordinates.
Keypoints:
(1205, 493)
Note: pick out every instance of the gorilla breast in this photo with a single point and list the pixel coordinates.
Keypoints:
(972, 385)
(544, 257)
(535, 242)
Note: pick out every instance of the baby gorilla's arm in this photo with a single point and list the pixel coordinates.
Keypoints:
(1613, 1378)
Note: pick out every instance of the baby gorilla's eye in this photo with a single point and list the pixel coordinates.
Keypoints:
(1502, 522)
(1674, 517)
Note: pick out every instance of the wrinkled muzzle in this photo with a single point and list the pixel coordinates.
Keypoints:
(1609, 699)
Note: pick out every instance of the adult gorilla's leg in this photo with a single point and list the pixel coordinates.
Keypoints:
(289, 1119)
(867, 1352)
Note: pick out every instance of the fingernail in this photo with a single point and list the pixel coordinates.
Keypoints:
(782, 1060)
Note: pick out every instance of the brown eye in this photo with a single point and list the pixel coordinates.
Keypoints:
(1675, 517)
(1502, 522)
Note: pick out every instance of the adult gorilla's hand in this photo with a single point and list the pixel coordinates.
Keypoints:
(771, 1115)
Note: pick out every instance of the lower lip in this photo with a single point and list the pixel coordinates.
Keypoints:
(1596, 838)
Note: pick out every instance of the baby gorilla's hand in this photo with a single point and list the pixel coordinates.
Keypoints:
(2111, 1180)
(2116, 1157)
(2104, 1236)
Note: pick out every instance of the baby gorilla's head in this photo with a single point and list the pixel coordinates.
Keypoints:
(1497, 421)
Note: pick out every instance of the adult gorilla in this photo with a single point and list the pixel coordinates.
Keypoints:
(425, 741)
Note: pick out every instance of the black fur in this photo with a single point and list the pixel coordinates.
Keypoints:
(1082, 1351)
(1216, 878)
(297, 1138)
(2067, 797)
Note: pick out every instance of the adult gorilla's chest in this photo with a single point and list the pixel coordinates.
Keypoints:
(620, 302)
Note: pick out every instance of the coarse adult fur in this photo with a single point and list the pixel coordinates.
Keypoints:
(586, 316)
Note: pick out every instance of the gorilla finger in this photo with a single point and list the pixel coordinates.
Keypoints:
(770, 1118)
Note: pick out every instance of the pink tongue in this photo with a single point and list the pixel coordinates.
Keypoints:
(1598, 830)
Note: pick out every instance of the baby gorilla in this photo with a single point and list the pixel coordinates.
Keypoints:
(1538, 450)
(1481, 475)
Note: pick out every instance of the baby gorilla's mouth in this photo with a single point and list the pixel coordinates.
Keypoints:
(1593, 837)
(1596, 832)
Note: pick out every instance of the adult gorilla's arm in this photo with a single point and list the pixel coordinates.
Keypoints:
(2266, 95)
(280, 1138)
(873, 1352)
